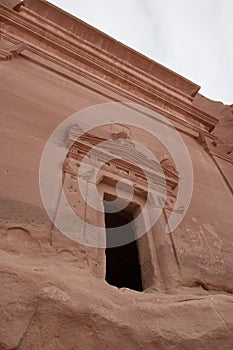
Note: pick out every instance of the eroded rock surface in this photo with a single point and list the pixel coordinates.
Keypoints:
(53, 293)
(49, 301)
(224, 128)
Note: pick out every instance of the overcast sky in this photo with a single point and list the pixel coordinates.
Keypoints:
(192, 37)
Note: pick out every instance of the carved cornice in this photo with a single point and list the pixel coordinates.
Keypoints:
(12, 4)
(100, 58)
(211, 148)
(220, 154)
(110, 46)
(5, 55)
(8, 54)
(97, 65)
(124, 162)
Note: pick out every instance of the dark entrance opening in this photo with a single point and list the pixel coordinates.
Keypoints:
(122, 263)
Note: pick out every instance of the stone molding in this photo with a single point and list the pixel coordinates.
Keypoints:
(99, 66)
(211, 148)
(12, 4)
(118, 169)
(8, 54)
(107, 45)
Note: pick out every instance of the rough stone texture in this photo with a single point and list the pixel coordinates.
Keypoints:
(53, 292)
(224, 128)
(47, 302)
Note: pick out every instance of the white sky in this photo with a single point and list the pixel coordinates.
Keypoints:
(192, 37)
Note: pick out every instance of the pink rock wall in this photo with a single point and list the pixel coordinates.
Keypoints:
(53, 291)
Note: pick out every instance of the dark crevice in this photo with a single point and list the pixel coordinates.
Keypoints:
(18, 6)
(204, 286)
(122, 263)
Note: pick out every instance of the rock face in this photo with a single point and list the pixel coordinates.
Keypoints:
(224, 128)
(53, 291)
(47, 302)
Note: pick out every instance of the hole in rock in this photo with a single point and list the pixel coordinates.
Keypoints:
(122, 262)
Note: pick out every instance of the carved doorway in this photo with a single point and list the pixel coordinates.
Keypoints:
(122, 262)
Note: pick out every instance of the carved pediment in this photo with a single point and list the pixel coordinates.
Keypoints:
(7, 53)
(12, 4)
(126, 160)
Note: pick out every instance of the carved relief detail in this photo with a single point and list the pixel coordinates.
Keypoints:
(123, 164)
(8, 54)
(214, 148)
(207, 247)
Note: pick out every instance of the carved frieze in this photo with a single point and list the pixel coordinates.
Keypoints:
(12, 4)
(124, 163)
(100, 66)
(6, 54)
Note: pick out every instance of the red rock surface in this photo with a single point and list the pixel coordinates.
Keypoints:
(224, 128)
(49, 302)
(53, 293)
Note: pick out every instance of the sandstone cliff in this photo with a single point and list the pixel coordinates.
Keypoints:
(224, 128)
